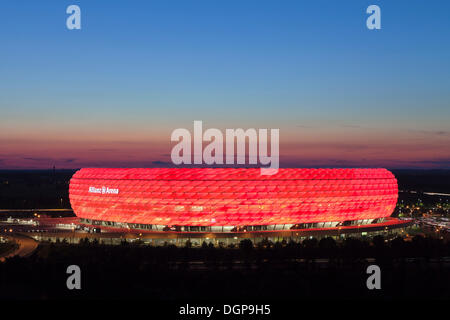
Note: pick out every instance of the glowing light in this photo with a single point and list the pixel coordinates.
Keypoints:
(233, 197)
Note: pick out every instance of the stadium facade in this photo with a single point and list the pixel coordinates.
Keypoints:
(229, 202)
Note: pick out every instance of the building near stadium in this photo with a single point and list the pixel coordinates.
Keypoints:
(230, 202)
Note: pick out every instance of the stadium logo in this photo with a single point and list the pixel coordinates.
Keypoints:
(213, 153)
(103, 190)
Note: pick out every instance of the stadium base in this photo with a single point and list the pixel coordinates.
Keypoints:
(389, 227)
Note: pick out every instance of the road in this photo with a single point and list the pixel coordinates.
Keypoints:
(26, 246)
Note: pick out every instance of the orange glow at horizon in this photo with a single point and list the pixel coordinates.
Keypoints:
(298, 147)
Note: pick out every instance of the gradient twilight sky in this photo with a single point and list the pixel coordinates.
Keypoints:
(110, 95)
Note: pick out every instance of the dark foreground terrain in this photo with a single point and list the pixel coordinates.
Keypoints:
(418, 269)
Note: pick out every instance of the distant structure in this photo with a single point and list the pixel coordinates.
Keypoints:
(229, 202)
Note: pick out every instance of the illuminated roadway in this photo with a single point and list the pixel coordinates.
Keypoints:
(26, 246)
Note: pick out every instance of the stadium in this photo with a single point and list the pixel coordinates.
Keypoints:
(224, 203)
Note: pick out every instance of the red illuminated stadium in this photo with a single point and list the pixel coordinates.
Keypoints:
(221, 200)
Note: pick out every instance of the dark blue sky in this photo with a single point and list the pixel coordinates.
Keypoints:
(139, 69)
